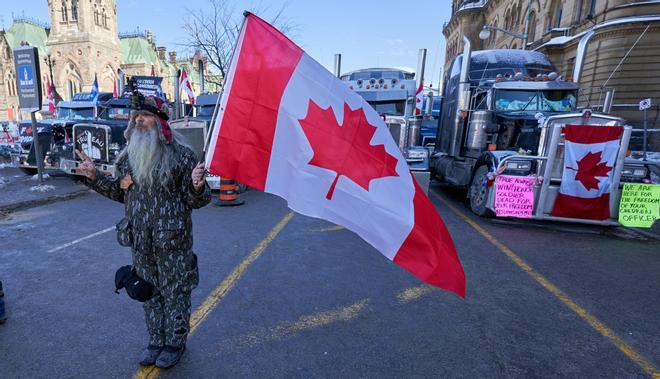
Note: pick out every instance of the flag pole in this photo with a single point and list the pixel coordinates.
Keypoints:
(222, 89)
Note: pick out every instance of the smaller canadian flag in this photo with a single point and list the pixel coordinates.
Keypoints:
(419, 99)
(51, 99)
(184, 83)
(590, 153)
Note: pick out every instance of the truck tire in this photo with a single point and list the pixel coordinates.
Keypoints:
(478, 193)
(29, 171)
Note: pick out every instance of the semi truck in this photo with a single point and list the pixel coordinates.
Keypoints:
(503, 113)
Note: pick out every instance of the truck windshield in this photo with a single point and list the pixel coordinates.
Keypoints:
(535, 101)
(75, 113)
(117, 113)
(390, 108)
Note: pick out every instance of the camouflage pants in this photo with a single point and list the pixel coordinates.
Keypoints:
(174, 275)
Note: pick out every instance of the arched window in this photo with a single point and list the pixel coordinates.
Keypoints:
(8, 81)
(65, 15)
(531, 31)
(74, 10)
(556, 13)
(96, 15)
(105, 19)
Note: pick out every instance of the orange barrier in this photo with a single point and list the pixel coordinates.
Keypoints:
(228, 194)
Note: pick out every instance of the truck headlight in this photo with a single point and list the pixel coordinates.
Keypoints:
(634, 172)
(416, 154)
(519, 166)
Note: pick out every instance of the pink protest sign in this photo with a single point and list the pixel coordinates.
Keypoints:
(514, 196)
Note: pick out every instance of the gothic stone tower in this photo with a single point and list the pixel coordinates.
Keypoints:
(83, 42)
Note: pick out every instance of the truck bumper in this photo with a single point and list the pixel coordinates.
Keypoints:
(69, 166)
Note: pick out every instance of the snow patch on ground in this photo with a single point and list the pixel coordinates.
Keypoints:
(36, 177)
(42, 188)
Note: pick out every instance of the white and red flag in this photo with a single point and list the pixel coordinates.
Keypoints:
(419, 99)
(184, 84)
(288, 126)
(51, 99)
(590, 154)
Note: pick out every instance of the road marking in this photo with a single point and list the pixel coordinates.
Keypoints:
(304, 323)
(413, 293)
(222, 289)
(596, 324)
(81, 239)
(331, 229)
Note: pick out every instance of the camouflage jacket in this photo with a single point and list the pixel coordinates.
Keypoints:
(159, 216)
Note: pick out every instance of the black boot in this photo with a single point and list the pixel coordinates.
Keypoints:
(149, 355)
(170, 356)
(2, 311)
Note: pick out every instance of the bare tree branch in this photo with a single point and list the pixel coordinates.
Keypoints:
(214, 31)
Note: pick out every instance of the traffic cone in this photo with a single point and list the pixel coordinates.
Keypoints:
(228, 194)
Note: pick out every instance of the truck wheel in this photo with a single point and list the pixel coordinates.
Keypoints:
(478, 193)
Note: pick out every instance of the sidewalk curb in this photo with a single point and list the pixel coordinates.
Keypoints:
(43, 201)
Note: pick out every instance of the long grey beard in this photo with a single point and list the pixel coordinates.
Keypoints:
(145, 155)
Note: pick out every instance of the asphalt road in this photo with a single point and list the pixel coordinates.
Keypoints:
(285, 295)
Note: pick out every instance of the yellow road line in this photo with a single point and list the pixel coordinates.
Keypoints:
(331, 228)
(413, 293)
(600, 327)
(222, 289)
(304, 323)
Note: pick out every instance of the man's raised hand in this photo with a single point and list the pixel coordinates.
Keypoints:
(87, 167)
(198, 176)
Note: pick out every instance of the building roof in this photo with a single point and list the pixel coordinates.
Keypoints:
(27, 30)
(137, 50)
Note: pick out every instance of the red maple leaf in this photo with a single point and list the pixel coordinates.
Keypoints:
(589, 167)
(346, 149)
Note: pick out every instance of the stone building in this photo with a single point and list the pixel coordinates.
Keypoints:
(596, 33)
(82, 41)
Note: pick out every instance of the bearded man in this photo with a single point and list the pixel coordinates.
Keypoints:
(160, 182)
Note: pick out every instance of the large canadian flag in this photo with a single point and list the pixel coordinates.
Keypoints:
(287, 126)
(590, 154)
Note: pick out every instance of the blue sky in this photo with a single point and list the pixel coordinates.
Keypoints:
(368, 33)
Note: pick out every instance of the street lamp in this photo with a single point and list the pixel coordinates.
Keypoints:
(51, 62)
(484, 34)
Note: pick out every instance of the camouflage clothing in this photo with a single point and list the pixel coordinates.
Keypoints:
(162, 242)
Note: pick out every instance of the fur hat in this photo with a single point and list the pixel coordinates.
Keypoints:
(159, 109)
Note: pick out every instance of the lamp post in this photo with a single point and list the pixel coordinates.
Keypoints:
(51, 62)
(484, 34)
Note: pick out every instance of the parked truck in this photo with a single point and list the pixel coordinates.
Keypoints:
(96, 128)
(503, 113)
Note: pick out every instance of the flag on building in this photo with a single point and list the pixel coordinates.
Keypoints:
(153, 70)
(419, 99)
(590, 154)
(51, 99)
(114, 90)
(94, 93)
(288, 126)
(184, 83)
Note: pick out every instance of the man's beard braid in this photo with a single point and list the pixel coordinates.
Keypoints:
(145, 153)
